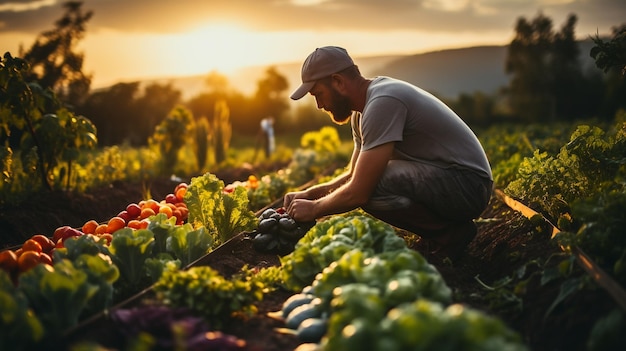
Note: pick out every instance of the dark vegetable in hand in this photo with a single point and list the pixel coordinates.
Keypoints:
(277, 232)
(267, 225)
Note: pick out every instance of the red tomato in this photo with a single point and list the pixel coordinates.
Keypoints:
(31, 245)
(115, 224)
(8, 261)
(90, 226)
(28, 260)
(167, 210)
(176, 213)
(180, 194)
(147, 212)
(101, 229)
(133, 211)
(134, 224)
(46, 243)
(65, 232)
(143, 224)
(171, 199)
(180, 185)
(125, 216)
(152, 204)
(184, 212)
(45, 258)
(59, 232)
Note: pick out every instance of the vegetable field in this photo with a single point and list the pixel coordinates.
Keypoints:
(349, 282)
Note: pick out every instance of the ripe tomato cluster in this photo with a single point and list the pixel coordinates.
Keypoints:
(39, 248)
(136, 215)
(251, 184)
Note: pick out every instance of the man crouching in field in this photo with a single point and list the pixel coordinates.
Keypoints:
(416, 165)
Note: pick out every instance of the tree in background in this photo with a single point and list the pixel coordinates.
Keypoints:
(170, 136)
(54, 62)
(218, 88)
(114, 113)
(610, 56)
(570, 88)
(123, 115)
(152, 107)
(202, 137)
(222, 131)
(526, 60)
(245, 113)
(547, 80)
(476, 109)
(306, 117)
(270, 99)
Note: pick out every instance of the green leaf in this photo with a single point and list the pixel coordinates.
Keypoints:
(58, 294)
(130, 249)
(21, 329)
(568, 288)
(188, 244)
(224, 214)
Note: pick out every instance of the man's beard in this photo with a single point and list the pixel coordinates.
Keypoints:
(339, 110)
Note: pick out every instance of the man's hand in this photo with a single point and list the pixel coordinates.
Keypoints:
(302, 210)
(289, 197)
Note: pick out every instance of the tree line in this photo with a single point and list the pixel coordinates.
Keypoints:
(547, 80)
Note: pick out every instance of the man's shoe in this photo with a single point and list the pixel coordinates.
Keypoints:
(453, 242)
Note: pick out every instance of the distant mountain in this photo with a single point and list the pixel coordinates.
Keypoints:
(446, 73)
(449, 73)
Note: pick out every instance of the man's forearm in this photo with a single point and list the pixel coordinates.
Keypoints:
(323, 189)
(343, 199)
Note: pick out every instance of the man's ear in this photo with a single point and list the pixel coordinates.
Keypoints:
(339, 82)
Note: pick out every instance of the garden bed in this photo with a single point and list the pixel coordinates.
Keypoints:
(506, 242)
(228, 259)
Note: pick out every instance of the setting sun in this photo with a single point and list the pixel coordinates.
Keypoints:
(216, 47)
(221, 47)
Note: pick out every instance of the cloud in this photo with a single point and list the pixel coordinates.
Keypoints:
(21, 6)
(166, 16)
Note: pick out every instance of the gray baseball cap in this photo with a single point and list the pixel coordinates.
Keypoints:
(321, 63)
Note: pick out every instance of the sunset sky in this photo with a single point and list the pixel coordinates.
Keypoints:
(134, 39)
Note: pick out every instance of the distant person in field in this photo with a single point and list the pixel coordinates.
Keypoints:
(416, 165)
(269, 142)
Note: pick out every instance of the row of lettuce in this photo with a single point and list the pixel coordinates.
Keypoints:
(360, 287)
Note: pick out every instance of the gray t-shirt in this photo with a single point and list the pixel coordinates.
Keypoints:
(423, 128)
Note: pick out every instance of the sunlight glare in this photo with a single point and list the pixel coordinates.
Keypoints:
(221, 47)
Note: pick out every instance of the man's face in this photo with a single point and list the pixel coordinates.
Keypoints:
(339, 108)
(335, 104)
